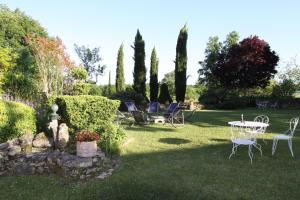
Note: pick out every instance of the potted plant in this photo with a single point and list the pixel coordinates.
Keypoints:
(87, 143)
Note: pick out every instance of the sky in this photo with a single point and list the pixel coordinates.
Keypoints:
(108, 23)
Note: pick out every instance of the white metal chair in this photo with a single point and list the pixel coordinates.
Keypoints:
(261, 130)
(288, 135)
(240, 137)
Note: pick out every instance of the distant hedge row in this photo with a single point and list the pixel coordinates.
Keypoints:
(16, 119)
(85, 112)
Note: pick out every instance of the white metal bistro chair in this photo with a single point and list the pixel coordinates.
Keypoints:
(262, 129)
(241, 137)
(288, 135)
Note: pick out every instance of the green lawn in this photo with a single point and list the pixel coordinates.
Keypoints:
(189, 162)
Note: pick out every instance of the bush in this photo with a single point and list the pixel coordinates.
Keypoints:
(130, 95)
(16, 119)
(86, 89)
(111, 138)
(85, 112)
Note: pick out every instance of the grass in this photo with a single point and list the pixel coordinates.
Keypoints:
(190, 162)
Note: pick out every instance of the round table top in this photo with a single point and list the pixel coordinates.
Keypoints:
(248, 124)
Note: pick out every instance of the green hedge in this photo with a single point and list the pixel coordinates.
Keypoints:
(85, 112)
(16, 119)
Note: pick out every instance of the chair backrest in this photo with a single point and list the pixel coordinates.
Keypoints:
(238, 132)
(153, 107)
(262, 118)
(139, 116)
(130, 106)
(171, 108)
(293, 125)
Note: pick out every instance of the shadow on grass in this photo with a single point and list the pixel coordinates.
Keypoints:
(150, 128)
(174, 141)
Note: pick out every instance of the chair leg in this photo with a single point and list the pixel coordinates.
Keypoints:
(258, 146)
(250, 154)
(233, 150)
(275, 141)
(290, 143)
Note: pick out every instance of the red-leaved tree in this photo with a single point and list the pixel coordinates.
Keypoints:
(249, 64)
(52, 61)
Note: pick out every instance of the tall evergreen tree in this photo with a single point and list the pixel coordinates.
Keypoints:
(139, 71)
(153, 76)
(120, 80)
(109, 84)
(180, 65)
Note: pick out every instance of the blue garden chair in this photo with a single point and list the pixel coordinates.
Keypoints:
(153, 107)
(131, 106)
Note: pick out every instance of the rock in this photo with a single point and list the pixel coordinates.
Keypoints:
(90, 171)
(42, 141)
(40, 170)
(79, 163)
(63, 136)
(26, 139)
(14, 150)
(102, 176)
(4, 145)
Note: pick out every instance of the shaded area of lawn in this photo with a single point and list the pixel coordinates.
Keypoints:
(189, 162)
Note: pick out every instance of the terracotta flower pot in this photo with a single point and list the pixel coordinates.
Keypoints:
(86, 149)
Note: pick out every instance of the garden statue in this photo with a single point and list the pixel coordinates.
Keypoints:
(54, 123)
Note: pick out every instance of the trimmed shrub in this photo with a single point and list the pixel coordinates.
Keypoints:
(16, 119)
(85, 112)
(86, 89)
(128, 95)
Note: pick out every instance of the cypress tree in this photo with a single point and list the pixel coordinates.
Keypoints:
(120, 80)
(153, 76)
(109, 84)
(180, 65)
(164, 95)
(139, 71)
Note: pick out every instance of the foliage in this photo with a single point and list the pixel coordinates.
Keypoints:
(291, 71)
(120, 79)
(7, 61)
(129, 95)
(15, 26)
(85, 112)
(91, 61)
(79, 74)
(51, 60)
(285, 89)
(109, 84)
(192, 93)
(86, 89)
(16, 119)
(153, 76)
(87, 136)
(247, 65)
(212, 52)
(139, 71)
(164, 95)
(21, 81)
(111, 138)
(180, 65)
(169, 79)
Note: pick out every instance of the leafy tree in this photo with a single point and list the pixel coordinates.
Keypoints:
(169, 79)
(79, 74)
(21, 81)
(164, 95)
(7, 60)
(180, 65)
(51, 60)
(247, 65)
(139, 71)
(153, 76)
(213, 49)
(91, 61)
(285, 89)
(14, 26)
(120, 79)
(291, 71)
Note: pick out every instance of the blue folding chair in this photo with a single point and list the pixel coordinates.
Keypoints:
(171, 109)
(131, 106)
(153, 107)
